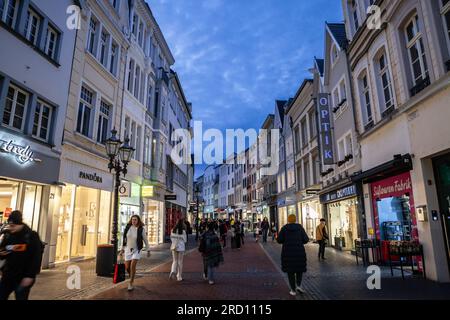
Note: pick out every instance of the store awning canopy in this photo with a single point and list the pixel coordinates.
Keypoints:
(396, 166)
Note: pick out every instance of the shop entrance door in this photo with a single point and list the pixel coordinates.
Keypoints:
(442, 172)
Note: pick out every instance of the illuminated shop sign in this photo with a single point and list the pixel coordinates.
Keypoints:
(343, 193)
(325, 130)
(23, 154)
(91, 177)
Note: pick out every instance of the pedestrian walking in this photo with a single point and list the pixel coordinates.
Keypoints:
(258, 230)
(134, 238)
(293, 255)
(178, 238)
(223, 233)
(265, 229)
(242, 233)
(273, 231)
(322, 238)
(197, 228)
(21, 251)
(237, 235)
(211, 252)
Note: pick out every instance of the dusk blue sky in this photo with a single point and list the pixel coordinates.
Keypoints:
(236, 57)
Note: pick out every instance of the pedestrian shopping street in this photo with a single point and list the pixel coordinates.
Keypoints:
(252, 273)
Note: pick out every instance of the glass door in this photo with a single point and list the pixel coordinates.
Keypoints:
(442, 172)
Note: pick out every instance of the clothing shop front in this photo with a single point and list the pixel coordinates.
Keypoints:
(84, 219)
(341, 208)
(29, 173)
(310, 214)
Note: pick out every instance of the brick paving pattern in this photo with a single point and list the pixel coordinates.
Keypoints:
(246, 274)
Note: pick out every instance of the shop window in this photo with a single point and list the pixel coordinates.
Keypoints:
(135, 25)
(85, 112)
(9, 11)
(32, 205)
(32, 26)
(354, 15)
(103, 122)
(8, 198)
(42, 121)
(65, 223)
(312, 124)
(394, 214)
(103, 234)
(15, 108)
(343, 224)
(304, 129)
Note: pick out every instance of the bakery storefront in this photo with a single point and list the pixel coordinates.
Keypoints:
(84, 219)
(341, 208)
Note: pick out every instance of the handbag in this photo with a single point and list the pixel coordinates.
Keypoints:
(119, 271)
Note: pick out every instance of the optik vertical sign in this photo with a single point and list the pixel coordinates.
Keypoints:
(325, 129)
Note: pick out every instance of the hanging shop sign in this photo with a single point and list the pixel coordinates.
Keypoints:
(23, 154)
(339, 194)
(325, 129)
(125, 189)
(170, 197)
(148, 191)
(91, 177)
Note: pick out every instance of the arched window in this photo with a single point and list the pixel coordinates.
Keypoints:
(384, 82)
(416, 51)
(365, 100)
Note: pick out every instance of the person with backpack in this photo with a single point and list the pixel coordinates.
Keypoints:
(134, 238)
(178, 248)
(21, 249)
(211, 252)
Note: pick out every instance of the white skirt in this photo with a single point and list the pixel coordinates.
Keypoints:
(132, 254)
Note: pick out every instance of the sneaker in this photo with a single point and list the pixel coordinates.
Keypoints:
(211, 282)
(300, 289)
(292, 293)
(179, 279)
(130, 287)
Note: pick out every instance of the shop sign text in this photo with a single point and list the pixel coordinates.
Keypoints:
(23, 154)
(340, 194)
(325, 129)
(91, 177)
(398, 185)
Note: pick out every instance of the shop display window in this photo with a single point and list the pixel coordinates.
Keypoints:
(394, 214)
(8, 198)
(65, 223)
(343, 224)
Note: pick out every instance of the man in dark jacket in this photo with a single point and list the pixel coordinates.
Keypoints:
(21, 249)
(265, 229)
(293, 255)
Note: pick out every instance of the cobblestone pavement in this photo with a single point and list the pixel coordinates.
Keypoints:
(252, 273)
(339, 278)
(51, 284)
(246, 274)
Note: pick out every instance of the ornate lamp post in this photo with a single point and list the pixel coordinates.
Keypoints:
(119, 156)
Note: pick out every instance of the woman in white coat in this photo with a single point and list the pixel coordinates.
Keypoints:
(178, 247)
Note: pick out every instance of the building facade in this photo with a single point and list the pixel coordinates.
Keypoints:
(35, 72)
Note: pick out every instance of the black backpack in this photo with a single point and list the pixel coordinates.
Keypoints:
(42, 245)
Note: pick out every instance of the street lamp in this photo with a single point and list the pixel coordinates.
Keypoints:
(119, 156)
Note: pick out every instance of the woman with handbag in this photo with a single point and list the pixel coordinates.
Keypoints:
(134, 238)
(178, 248)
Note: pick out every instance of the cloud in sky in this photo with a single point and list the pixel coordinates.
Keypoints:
(235, 57)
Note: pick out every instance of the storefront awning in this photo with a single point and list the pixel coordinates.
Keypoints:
(396, 166)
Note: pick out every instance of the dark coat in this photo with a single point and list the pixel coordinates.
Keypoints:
(293, 255)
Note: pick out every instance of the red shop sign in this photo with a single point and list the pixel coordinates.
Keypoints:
(396, 186)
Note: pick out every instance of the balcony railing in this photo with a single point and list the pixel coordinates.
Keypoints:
(420, 86)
